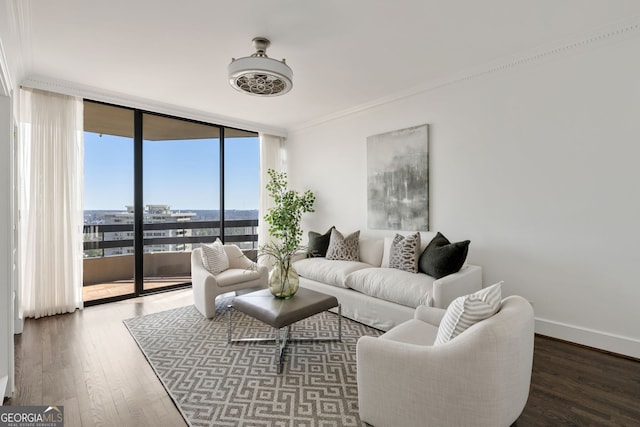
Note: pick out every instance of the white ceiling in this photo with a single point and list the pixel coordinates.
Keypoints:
(344, 53)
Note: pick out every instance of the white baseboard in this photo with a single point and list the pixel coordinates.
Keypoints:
(598, 339)
(17, 320)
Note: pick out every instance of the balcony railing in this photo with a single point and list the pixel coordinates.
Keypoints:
(165, 257)
(242, 232)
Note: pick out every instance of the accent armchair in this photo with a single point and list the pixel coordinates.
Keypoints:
(479, 378)
(241, 274)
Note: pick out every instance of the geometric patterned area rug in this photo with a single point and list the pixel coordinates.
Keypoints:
(218, 384)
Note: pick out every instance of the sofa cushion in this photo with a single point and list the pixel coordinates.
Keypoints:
(467, 310)
(371, 251)
(331, 272)
(344, 248)
(392, 285)
(404, 252)
(412, 331)
(214, 257)
(441, 257)
(233, 276)
(318, 243)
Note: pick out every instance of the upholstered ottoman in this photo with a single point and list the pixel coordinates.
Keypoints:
(281, 314)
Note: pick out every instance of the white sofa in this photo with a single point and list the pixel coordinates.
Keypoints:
(383, 297)
(479, 378)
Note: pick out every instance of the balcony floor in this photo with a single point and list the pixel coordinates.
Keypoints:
(126, 287)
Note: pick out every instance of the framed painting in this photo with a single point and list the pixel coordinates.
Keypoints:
(398, 180)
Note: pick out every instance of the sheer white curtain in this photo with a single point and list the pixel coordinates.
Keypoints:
(51, 179)
(272, 156)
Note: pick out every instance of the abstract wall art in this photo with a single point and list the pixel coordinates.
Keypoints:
(398, 180)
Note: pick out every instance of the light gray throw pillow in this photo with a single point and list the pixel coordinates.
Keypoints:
(214, 257)
(467, 310)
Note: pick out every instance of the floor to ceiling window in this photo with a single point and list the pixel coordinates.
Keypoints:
(241, 189)
(155, 188)
(108, 202)
(181, 185)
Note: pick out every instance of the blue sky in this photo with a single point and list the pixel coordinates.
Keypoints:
(183, 174)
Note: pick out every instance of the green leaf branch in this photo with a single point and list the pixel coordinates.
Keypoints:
(285, 217)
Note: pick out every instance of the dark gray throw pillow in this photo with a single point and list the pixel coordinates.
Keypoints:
(318, 243)
(441, 257)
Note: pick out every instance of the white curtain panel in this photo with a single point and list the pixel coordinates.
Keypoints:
(51, 180)
(272, 156)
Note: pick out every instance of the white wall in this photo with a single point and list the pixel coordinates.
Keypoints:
(10, 73)
(535, 163)
(6, 287)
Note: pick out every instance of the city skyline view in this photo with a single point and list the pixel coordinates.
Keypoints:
(183, 174)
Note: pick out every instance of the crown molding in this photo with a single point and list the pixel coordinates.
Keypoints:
(558, 49)
(96, 94)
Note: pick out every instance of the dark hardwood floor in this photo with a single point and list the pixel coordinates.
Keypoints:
(579, 386)
(88, 362)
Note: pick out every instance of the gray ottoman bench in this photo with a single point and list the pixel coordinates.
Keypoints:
(281, 314)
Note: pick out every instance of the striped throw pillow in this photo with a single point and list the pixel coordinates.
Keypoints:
(214, 257)
(468, 310)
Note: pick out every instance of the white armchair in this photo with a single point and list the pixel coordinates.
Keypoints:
(479, 378)
(242, 274)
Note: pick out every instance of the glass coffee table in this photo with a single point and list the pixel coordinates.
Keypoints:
(281, 314)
